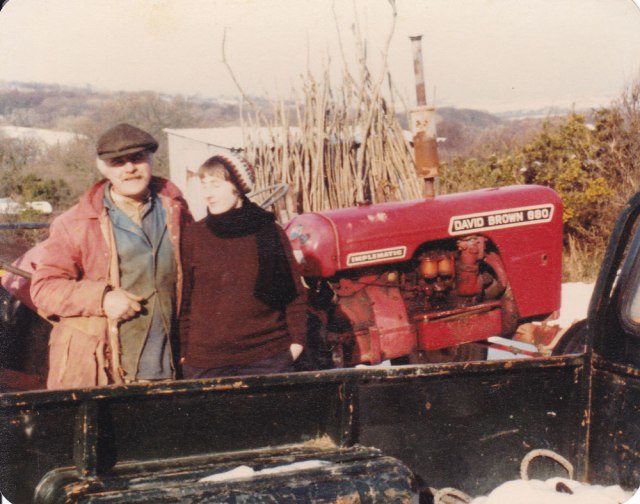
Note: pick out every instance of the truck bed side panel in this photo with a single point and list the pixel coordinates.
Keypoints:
(461, 424)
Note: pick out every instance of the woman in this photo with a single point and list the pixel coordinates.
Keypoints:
(244, 306)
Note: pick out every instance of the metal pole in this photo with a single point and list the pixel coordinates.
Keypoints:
(12, 269)
(425, 137)
(418, 69)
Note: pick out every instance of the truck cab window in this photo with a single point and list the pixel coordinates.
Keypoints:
(628, 285)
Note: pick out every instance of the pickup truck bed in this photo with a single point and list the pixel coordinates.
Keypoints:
(462, 424)
(466, 425)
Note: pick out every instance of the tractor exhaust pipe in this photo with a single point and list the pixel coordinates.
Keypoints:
(424, 127)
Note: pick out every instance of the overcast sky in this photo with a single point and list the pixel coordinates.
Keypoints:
(489, 54)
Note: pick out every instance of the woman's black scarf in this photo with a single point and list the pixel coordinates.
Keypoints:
(275, 285)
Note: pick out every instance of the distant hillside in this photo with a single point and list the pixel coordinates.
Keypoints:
(59, 107)
(470, 118)
(84, 111)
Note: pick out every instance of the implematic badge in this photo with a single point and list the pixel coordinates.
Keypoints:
(497, 219)
(374, 256)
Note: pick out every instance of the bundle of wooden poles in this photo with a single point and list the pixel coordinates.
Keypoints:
(333, 149)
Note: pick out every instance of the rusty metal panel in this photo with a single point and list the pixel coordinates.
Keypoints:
(471, 429)
(425, 142)
(479, 416)
(294, 474)
(452, 331)
(95, 429)
(614, 441)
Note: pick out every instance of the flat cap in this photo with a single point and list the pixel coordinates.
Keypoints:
(124, 139)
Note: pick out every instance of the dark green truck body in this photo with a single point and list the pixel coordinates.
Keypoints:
(379, 434)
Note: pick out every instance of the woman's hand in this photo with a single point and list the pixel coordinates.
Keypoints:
(296, 350)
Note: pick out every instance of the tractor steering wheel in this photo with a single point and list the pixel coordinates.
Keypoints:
(269, 195)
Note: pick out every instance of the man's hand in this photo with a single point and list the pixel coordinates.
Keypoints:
(121, 305)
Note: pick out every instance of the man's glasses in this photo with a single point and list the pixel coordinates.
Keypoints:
(135, 158)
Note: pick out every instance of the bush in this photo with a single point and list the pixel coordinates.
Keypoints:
(566, 156)
(30, 187)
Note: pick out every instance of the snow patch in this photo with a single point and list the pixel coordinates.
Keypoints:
(554, 491)
(45, 136)
(574, 303)
(245, 472)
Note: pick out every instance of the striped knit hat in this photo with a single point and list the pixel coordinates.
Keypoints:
(243, 176)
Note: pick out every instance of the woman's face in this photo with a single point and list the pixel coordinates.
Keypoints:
(219, 194)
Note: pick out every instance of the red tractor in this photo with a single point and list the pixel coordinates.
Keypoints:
(418, 281)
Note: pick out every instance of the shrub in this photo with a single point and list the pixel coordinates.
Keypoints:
(30, 187)
(566, 156)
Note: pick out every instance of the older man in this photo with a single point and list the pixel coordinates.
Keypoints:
(110, 271)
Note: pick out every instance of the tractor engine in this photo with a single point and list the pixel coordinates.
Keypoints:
(417, 281)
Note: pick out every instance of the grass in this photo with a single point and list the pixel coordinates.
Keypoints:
(580, 262)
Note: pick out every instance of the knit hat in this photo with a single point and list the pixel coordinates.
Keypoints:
(124, 139)
(243, 176)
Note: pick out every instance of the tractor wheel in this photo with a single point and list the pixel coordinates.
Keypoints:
(574, 340)
(269, 196)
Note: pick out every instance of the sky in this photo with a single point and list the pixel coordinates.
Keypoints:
(493, 55)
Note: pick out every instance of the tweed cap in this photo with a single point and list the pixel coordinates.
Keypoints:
(124, 139)
(243, 176)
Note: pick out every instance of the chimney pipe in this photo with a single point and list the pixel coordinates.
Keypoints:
(418, 70)
(424, 127)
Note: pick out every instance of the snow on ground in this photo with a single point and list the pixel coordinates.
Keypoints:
(635, 499)
(575, 303)
(554, 491)
(45, 136)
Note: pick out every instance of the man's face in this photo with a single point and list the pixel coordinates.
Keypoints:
(219, 194)
(129, 174)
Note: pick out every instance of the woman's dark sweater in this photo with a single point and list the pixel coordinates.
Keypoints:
(222, 322)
